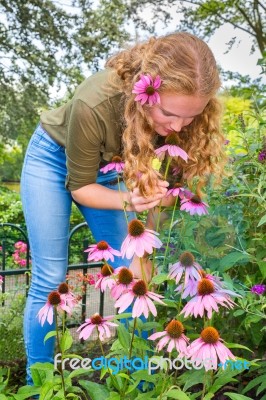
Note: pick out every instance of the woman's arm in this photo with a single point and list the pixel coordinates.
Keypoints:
(97, 196)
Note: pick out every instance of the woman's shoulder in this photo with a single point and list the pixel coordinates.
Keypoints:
(97, 89)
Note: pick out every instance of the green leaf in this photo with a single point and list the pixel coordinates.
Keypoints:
(95, 390)
(160, 278)
(148, 326)
(235, 396)
(66, 341)
(41, 372)
(80, 371)
(177, 394)
(262, 220)
(123, 336)
(114, 396)
(262, 266)
(231, 259)
(237, 313)
(237, 346)
(49, 335)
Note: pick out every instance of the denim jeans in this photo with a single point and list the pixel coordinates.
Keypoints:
(47, 208)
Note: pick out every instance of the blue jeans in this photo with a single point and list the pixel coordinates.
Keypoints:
(47, 208)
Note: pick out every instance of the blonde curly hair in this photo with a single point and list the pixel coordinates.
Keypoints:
(186, 66)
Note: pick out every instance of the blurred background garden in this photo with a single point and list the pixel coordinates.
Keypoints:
(47, 48)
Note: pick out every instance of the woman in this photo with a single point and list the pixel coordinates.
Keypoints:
(164, 87)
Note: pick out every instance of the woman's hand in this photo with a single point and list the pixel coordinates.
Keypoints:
(139, 203)
(135, 268)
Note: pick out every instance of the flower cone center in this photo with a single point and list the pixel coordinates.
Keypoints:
(136, 228)
(187, 259)
(140, 288)
(175, 329)
(196, 199)
(107, 270)
(202, 273)
(96, 319)
(102, 245)
(205, 286)
(54, 298)
(63, 288)
(150, 90)
(172, 139)
(125, 276)
(210, 335)
(177, 185)
(117, 159)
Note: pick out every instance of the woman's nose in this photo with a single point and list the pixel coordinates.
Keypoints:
(177, 125)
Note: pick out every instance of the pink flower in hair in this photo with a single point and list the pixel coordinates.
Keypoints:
(145, 89)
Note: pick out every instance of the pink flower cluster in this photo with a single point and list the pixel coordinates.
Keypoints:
(20, 254)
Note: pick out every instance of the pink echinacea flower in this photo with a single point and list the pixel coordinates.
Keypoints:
(139, 240)
(171, 147)
(194, 205)
(208, 298)
(146, 89)
(101, 251)
(187, 266)
(46, 313)
(173, 336)
(106, 278)
(101, 324)
(124, 281)
(209, 347)
(116, 164)
(143, 300)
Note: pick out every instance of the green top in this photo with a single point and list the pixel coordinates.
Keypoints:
(89, 126)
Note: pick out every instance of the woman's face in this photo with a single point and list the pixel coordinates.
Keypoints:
(175, 111)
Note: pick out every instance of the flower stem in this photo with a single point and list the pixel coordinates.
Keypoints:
(102, 350)
(61, 371)
(143, 271)
(180, 300)
(159, 214)
(124, 204)
(169, 233)
(132, 338)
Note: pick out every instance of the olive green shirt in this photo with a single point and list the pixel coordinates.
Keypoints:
(89, 126)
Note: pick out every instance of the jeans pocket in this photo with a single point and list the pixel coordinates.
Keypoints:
(43, 140)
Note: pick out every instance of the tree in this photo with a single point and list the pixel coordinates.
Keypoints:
(204, 17)
(47, 43)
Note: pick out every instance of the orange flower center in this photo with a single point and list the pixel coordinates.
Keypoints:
(174, 329)
(205, 286)
(96, 319)
(140, 288)
(125, 276)
(187, 259)
(196, 199)
(54, 298)
(202, 273)
(177, 185)
(117, 159)
(136, 228)
(210, 335)
(63, 288)
(172, 139)
(150, 90)
(107, 270)
(102, 245)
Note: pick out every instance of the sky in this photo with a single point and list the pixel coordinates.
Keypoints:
(238, 59)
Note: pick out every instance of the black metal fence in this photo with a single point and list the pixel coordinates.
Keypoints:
(12, 267)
